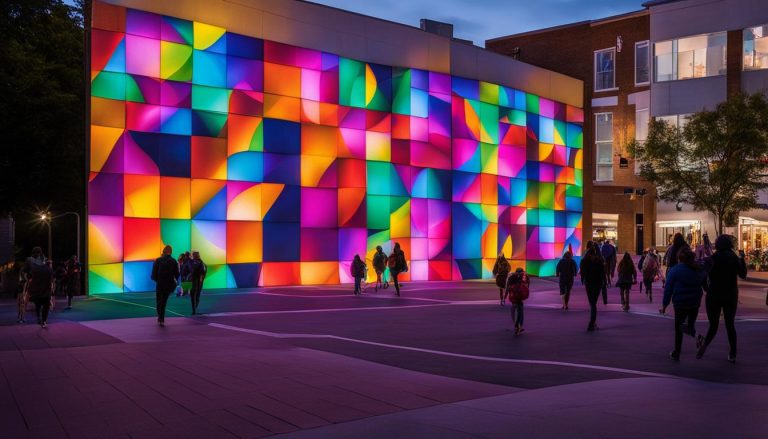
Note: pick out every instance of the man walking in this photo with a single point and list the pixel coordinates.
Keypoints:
(165, 271)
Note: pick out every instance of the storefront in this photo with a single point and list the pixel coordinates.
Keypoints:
(665, 230)
(753, 234)
(605, 226)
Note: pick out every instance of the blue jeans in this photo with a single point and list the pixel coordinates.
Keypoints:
(357, 284)
(517, 314)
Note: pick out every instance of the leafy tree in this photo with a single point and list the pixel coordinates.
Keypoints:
(716, 162)
(42, 113)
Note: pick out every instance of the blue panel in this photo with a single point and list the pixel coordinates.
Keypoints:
(281, 242)
(466, 88)
(281, 168)
(244, 47)
(175, 156)
(470, 268)
(209, 69)
(282, 136)
(287, 208)
(216, 208)
(246, 166)
(246, 275)
(469, 226)
(136, 276)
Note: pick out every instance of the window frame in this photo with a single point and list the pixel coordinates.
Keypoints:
(594, 64)
(676, 53)
(647, 44)
(744, 66)
(598, 143)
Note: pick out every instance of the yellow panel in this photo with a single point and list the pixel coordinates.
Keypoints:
(490, 241)
(103, 140)
(400, 221)
(205, 35)
(378, 146)
(107, 112)
(579, 160)
(545, 151)
(319, 273)
(142, 196)
(174, 198)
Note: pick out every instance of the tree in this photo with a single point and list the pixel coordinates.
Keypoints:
(717, 162)
(42, 112)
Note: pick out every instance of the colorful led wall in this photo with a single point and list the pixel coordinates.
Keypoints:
(280, 163)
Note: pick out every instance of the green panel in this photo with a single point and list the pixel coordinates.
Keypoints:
(489, 158)
(217, 277)
(560, 132)
(573, 191)
(396, 203)
(378, 178)
(575, 136)
(104, 279)
(579, 177)
(532, 217)
(351, 83)
(401, 92)
(378, 238)
(132, 91)
(531, 103)
(210, 99)
(214, 122)
(532, 200)
(489, 120)
(546, 217)
(176, 233)
(378, 211)
(489, 93)
(515, 117)
(109, 85)
(546, 195)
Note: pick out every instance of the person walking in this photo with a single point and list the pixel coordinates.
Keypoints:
(566, 271)
(723, 294)
(357, 270)
(40, 288)
(501, 270)
(592, 271)
(640, 267)
(608, 252)
(518, 290)
(397, 265)
(671, 256)
(35, 260)
(165, 273)
(626, 278)
(704, 249)
(196, 270)
(650, 271)
(73, 279)
(379, 266)
(183, 275)
(685, 287)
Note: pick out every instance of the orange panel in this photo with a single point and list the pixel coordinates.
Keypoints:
(142, 239)
(282, 80)
(175, 198)
(318, 140)
(320, 273)
(107, 112)
(282, 107)
(489, 189)
(209, 157)
(244, 241)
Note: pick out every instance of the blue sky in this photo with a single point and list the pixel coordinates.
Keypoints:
(478, 20)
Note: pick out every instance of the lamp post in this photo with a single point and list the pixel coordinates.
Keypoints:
(45, 217)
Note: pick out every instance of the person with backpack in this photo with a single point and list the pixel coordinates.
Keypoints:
(592, 271)
(379, 266)
(608, 252)
(165, 273)
(723, 293)
(566, 271)
(357, 271)
(685, 287)
(397, 265)
(40, 280)
(501, 270)
(196, 271)
(650, 271)
(627, 277)
(518, 290)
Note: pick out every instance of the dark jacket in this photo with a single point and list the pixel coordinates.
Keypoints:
(195, 269)
(165, 271)
(379, 261)
(592, 270)
(685, 285)
(397, 264)
(357, 269)
(722, 276)
(608, 252)
(566, 270)
(40, 277)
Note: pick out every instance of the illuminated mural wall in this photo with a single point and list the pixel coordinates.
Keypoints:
(280, 163)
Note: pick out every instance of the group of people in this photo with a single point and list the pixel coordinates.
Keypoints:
(40, 283)
(713, 269)
(395, 263)
(185, 275)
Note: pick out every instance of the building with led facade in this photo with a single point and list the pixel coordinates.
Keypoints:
(282, 138)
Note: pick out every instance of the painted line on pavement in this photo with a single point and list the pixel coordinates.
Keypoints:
(139, 304)
(443, 353)
(300, 311)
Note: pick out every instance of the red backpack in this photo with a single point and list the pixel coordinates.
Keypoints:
(518, 288)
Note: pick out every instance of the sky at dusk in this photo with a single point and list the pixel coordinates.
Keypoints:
(479, 20)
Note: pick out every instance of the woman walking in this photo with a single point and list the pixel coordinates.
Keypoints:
(671, 256)
(723, 294)
(379, 266)
(196, 270)
(40, 283)
(357, 270)
(684, 288)
(650, 272)
(627, 278)
(501, 270)
(566, 271)
(397, 265)
(593, 275)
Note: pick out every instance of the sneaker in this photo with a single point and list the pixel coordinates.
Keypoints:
(517, 329)
(674, 356)
(700, 351)
(162, 324)
(45, 325)
(591, 328)
(521, 330)
(731, 358)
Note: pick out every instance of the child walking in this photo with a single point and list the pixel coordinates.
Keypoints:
(518, 289)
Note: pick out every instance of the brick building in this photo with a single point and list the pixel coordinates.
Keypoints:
(612, 57)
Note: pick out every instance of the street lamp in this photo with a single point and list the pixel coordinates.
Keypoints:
(45, 217)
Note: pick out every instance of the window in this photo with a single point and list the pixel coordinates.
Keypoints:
(641, 131)
(604, 69)
(642, 62)
(756, 48)
(692, 57)
(604, 146)
(676, 120)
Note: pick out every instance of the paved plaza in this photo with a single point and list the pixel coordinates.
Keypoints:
(440, 361)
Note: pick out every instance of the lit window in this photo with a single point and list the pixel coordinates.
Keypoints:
(604, 146)
(642, 61)
(692, 57)
(604, 69)
(756, 48)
